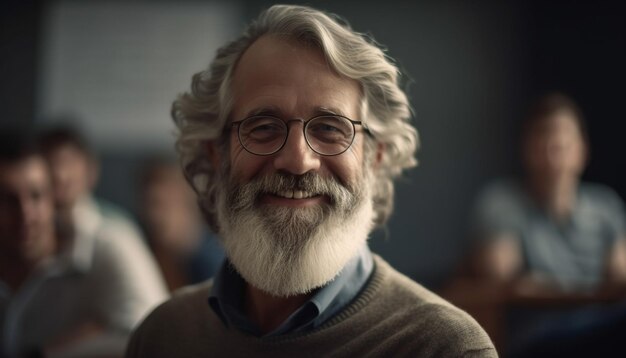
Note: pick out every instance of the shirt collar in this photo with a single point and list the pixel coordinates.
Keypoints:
(227, 295)
(346, 285)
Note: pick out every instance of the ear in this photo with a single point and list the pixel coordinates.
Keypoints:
(213, 152)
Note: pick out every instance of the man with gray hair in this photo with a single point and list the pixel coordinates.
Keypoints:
(292, 140)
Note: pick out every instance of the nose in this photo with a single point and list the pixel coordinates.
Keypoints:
(296, 157)
(556, 146)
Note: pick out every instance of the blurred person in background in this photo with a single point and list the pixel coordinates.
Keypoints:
(551, 237)
(63, 296)
(552, 231)
(75, 171)
(292, 139)
(182, 245)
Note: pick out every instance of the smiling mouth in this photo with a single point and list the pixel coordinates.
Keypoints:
(293, 198)
(294, 194)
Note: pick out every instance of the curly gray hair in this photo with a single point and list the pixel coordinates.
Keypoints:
(202, 113)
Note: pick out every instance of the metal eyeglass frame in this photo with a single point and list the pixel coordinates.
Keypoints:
(304, 127)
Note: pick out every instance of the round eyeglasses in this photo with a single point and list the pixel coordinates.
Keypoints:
(326, 134)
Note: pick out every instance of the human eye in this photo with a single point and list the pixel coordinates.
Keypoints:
(330, 128)
(262, 128)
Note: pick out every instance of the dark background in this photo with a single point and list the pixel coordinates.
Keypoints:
(473, 68)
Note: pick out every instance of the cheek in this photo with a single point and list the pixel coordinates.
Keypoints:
(243, 165)
(45, 211)
(81, 174)
(578, 155)
(347, 167)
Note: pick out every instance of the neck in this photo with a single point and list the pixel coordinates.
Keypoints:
(557, 196)
(268, 311)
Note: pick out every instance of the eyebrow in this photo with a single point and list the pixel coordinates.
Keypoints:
(276, 112)
(269, 111)
(329, 110)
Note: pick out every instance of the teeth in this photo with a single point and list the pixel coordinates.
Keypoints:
(294, 194)
(286, 194)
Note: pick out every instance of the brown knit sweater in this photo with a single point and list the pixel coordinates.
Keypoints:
(392, 317)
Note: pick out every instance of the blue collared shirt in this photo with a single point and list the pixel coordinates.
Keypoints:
(227, 297)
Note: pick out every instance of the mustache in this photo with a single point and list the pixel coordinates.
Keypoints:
(274, 183)
(309, 182)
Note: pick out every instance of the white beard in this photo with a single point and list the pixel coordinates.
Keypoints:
(291, 251)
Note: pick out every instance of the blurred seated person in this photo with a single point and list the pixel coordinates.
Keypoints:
(60, 296)
(183, 247)
(75, 170)
(555, 246)
(551, 233)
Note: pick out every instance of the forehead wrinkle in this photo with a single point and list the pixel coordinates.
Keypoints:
(255, 90)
